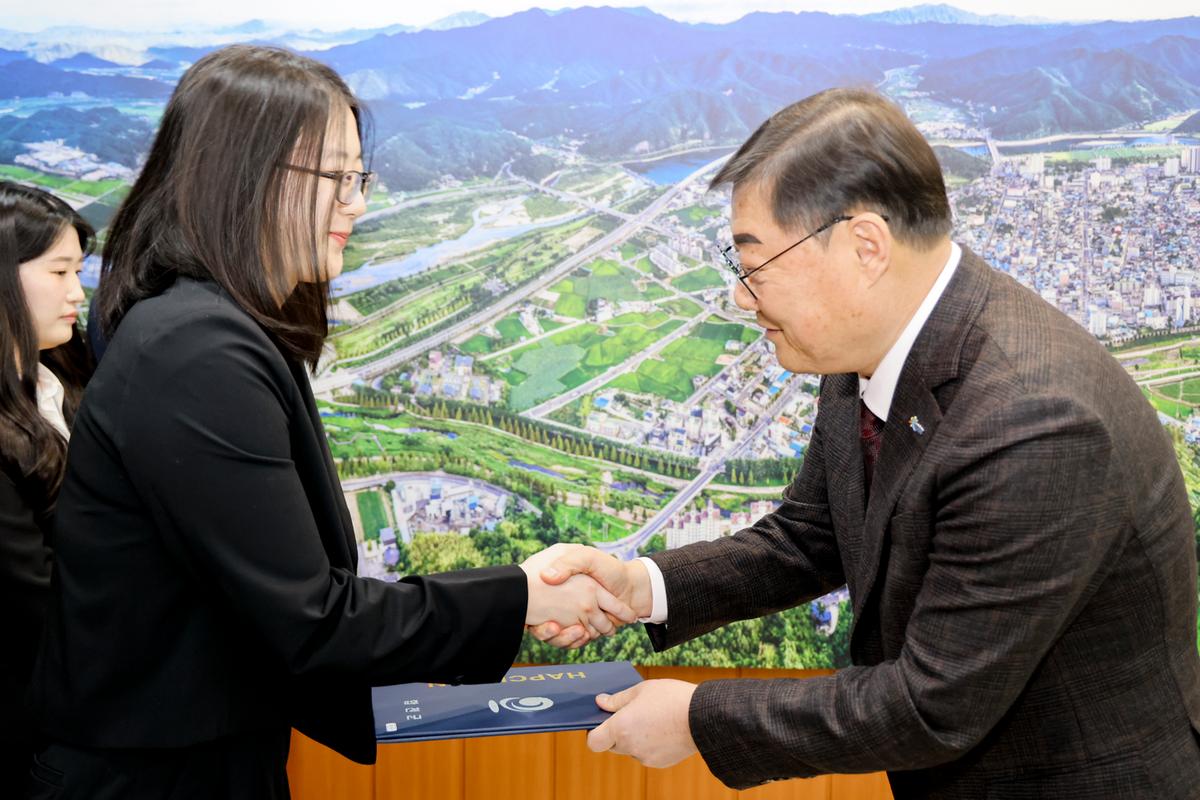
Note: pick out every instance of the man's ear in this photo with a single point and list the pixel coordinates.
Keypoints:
(872, 242)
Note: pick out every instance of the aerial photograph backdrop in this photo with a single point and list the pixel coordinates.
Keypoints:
(534, 339)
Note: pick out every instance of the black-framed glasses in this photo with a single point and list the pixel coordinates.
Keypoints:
(729, 253)
(349, 182)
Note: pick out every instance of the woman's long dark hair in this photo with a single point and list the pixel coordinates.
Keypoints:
(216, 200)
(32, 453)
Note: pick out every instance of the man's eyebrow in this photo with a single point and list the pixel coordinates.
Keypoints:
(745, 238)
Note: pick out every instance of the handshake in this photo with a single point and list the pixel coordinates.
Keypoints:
(578, 593)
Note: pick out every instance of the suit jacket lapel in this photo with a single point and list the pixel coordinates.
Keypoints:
(913, 408)
(915, 414)
(843, 461)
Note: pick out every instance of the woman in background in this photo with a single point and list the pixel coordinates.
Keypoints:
(43, 367)
(206, 599)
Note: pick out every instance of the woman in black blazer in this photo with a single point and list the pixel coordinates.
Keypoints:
(206, 600)
(43, 366)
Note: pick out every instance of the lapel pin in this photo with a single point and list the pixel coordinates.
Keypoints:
(916, 426)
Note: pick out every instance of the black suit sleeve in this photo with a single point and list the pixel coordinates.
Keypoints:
(788, 557)
(204, 433)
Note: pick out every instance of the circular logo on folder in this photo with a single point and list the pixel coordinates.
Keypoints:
(521, 704)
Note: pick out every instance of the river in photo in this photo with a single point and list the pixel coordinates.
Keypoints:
(976, 150)
(1096, 142)
(672, 169)
(481, 234)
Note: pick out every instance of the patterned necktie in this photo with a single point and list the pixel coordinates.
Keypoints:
(870, 432)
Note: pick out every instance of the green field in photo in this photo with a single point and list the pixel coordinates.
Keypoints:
(698, 280)
(374, 515)
(574, 356)
(478, 345)
(511, 329)
(671, 374)
(680, 307)
(541, 206)
(595, 525)
(1186, 391)
(543, 368)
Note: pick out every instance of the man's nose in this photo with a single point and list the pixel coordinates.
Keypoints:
(743, 298)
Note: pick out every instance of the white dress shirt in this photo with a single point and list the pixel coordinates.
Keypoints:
(876, 392)
(50, 396)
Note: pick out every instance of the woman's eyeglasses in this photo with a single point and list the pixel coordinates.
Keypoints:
(350, 183)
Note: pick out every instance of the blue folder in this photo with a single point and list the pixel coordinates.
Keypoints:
(527, 700)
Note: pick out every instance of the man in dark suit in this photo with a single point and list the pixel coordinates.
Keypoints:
(1001, 501)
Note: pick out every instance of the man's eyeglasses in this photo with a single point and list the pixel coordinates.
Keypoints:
(730, 256)
(350, 183)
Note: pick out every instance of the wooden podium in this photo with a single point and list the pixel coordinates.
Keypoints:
(550, 766)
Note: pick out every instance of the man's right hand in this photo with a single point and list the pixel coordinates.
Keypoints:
(628, 581)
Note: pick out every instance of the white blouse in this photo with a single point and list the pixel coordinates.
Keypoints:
(50, 396)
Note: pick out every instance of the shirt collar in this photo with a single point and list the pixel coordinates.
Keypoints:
(50, 396)
(876, 392)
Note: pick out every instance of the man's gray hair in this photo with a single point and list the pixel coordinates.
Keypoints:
(841, 151)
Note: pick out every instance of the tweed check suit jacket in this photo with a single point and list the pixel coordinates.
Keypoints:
(1023, 577)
